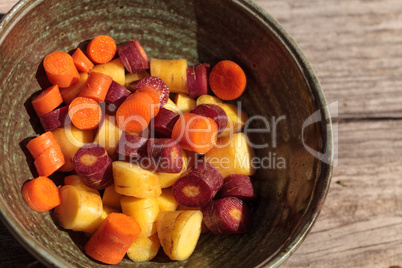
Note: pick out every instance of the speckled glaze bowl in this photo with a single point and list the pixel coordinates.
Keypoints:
(282, 87)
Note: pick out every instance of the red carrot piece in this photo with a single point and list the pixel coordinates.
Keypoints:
(198, 185)
(47, 100)
(133, 56)
(96, 87)
(115, 97)
(227, 80)
(94, 165)
(228, 215)
(55, 119)
(85, 113)
(60, 69)
(164, 122)
(157, 84)
(237, 185)
(101, 49)
(81, 61)
(113, 238)
(41, 194)
(197, 80)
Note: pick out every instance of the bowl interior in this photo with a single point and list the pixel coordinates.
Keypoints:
(282, 94)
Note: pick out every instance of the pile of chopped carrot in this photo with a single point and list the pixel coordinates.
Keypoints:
(109, 90)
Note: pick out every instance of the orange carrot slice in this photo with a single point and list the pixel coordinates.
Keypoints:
(47, 100)
(227, 80)
(40, 144)
(60, 69)
(41, 194)
(81, 61)
(85, 113)
(195, 133)
(101, 49)
(155, 96)
(49, 161)
(111, 241)
(96, 86)
(134, 114)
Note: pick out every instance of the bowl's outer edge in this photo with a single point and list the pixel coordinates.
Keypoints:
(318, 199)
(22, 235)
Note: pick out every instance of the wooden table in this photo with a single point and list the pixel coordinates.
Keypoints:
(355, 46)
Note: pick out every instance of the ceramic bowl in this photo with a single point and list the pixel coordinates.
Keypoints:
(283, 96)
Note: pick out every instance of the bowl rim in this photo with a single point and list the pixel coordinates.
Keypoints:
(323, 182)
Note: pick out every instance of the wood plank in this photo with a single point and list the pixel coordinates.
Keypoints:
(355, 47)
(360, 224)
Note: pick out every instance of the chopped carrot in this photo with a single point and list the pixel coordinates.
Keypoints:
(227, 80)
(134, 114)
(111, 241)
(49, 161)
(85, 113)
(155, 96)
(47, 100)
(41, 194)
(101, 49)
(195, 133)
(40, 144)
(81, 61)
(60, 69)
(96, 86)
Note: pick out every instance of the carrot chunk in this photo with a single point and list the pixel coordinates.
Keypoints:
(96, 86)
(195, 133)
(227, 80)
(101, 49)
(40, 144)
(41, 194)
(81, 61)
(60, 69)
(49, 161)
(111, 241)
(85, 113)
(155, 96)
(134, 114)
(47, 100)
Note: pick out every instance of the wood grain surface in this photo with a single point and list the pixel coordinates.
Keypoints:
(355, 47)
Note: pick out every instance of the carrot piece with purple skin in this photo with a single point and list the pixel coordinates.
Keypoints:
(55, 119)
(94, 165)
(228, 215)
(133, 56)
(237, 185)
(165, 154)
(41, 194)
(198, 185)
